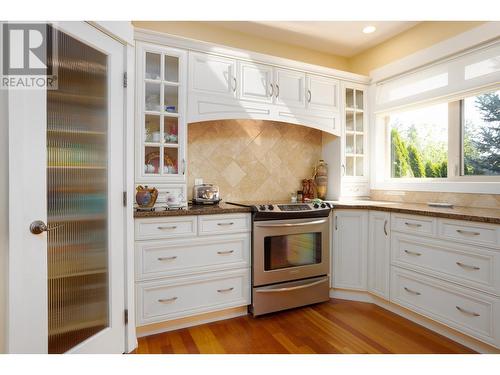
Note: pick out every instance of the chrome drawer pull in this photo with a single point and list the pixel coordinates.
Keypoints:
(468, 232)
(224, 290)
(221, 224)
(167, 258)
(472, 313)
(413, 225)
(167, 300)
(413, 253)
(468, 266)
(171, 227)
(225, 252)
(412, 291)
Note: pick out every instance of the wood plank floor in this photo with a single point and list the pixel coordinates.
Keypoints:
(337, 326)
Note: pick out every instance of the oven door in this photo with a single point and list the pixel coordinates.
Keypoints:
(285, 250)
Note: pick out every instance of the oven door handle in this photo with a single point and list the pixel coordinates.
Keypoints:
(261, 224)
(291, 288)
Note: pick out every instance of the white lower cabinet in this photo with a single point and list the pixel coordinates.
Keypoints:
(350, 258)
(206, 269)
(468, 311)
(379, 253)
(186, 296)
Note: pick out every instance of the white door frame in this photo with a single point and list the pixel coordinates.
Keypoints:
(27, 290)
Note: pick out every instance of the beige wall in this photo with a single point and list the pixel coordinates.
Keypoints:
(252, 159)
(422, 35)
(214, 34)
(4, 178)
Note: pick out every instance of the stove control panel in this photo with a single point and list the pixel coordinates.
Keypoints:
(292, 207)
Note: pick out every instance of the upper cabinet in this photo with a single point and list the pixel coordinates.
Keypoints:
(256, 82)
(212, 74)
(161, 119)
(355, 141)
(226, 88)
(322, 93)
(290, 88)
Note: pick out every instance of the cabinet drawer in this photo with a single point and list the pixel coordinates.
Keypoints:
(413, 224)
(165, 227)
(181, 297)
(215, 224)
(470, 232)
(473, 313)
(175, 257)
(474, 267)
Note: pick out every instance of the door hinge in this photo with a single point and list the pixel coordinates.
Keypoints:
(125, 316)
(125, 80)
(124, 199)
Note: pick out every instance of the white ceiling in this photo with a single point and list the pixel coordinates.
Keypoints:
(344, 38)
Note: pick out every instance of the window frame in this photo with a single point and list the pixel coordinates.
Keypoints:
(456, 181)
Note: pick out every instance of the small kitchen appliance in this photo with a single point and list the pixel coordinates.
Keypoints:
(206, 194)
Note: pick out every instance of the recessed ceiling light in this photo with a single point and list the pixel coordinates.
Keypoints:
(369, 29)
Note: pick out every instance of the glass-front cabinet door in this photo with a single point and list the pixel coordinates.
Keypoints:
(161, 115)
(355, 141)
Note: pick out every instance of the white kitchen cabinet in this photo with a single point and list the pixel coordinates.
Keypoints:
(189, 265)
(350, 251)
(161, 114)
(379, 252)
(256, 82)
(322, 93)
(290, 88)
(211, 74)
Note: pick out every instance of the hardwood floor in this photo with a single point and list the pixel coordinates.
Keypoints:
(337, 326)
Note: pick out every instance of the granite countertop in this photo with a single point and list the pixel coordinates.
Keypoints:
(484, 215)
(221, 208)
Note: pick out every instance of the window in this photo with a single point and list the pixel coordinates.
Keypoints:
(419, 142)
(481, 135)
(451, 140)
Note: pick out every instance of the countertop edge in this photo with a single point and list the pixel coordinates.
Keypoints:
(422, 212)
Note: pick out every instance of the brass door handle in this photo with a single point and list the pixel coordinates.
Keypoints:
(38, 227)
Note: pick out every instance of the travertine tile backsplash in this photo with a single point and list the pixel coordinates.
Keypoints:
(252, 159)
(457, 199)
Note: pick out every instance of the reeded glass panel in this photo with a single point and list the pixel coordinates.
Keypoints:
(292, 250)
(77, 133)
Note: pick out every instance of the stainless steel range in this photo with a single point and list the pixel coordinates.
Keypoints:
(290, 255)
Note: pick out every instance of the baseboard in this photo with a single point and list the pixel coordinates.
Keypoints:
(446, 331)
(172, 325)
